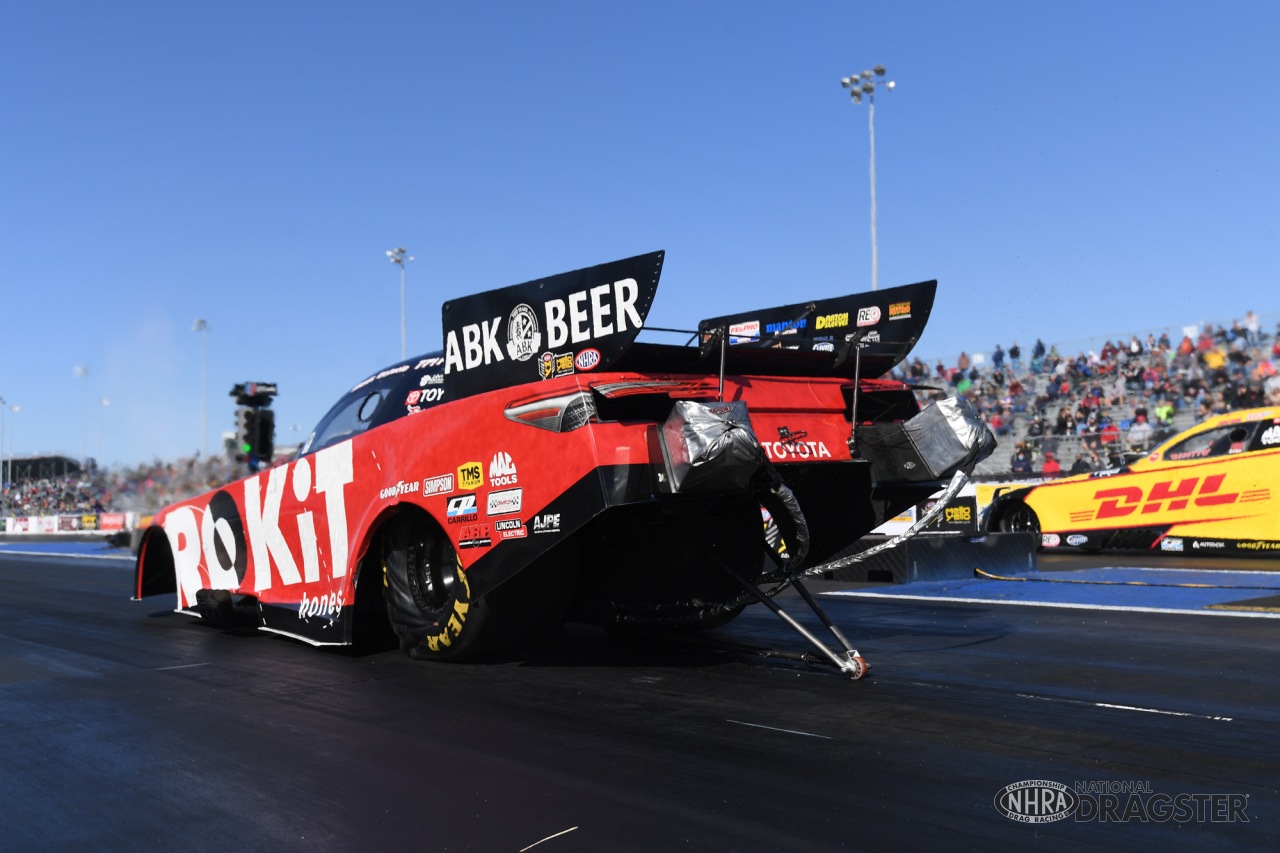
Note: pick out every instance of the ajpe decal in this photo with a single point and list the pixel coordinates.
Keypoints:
(1036, 801)
(548, 522)
(586, 315)
(868, 316)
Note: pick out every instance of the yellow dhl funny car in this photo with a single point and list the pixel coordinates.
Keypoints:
(1208, 490)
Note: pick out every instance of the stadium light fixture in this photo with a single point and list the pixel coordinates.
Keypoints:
(81, 372)
(398, 256)
(201, 327)
(866, 83)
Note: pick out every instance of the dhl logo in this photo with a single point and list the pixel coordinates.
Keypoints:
(1163, 495)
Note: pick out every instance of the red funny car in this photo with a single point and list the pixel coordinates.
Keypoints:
(548, 466)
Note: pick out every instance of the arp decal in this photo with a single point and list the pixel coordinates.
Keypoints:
(474, 536)
(1126, 500)
(210, 553)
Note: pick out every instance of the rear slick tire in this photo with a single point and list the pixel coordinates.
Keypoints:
(428, 597)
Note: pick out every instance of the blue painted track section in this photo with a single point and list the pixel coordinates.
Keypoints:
(66, 549)
(1172, 590)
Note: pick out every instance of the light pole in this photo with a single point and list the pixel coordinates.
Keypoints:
(81, 372)
(13, 427)
(201, 327)
(859, 85)
(398, 256)
(104, 403)
(4, 481)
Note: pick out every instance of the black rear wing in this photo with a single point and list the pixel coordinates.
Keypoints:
(587, 321)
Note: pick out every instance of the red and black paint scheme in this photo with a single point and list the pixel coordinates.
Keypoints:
(474, 496)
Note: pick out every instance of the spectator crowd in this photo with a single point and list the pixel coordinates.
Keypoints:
(1096, 406)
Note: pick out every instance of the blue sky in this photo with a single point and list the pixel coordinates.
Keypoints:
(1064, 171)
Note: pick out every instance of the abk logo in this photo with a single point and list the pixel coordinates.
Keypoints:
(1163, 495)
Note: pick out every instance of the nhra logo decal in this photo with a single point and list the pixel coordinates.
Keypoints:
(1164, 495)
(868, 316)
(587, 359)
(523, 337)
(585, 315)
(470, 475)
(461, 508)
(504, 502)
(502, 471)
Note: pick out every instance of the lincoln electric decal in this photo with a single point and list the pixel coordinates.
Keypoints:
(304, 546)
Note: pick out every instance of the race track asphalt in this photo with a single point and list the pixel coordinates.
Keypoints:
(125, 726)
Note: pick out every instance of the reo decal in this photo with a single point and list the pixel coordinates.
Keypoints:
(470, 475)
(1049, 540)
(868, 316)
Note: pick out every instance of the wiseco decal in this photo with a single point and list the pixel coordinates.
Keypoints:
(1163, 495)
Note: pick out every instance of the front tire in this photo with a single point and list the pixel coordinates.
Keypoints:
(1020, 518)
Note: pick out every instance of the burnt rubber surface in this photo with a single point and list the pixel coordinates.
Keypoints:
(124, 726)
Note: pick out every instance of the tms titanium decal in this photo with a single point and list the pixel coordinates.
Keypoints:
(584, 316)
(470, 475)
(209, 550)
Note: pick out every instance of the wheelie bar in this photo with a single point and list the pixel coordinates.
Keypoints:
(850, 662)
